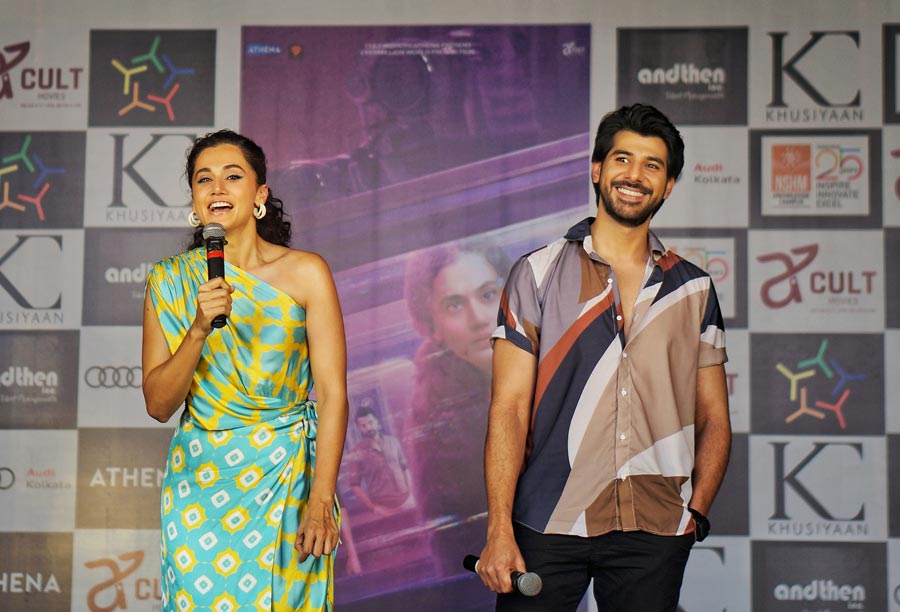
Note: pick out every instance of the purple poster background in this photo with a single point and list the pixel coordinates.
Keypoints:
(419, 161)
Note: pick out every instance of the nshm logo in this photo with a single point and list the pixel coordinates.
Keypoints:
(17, 53)
(152, 78)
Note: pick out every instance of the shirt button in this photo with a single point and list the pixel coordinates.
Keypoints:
(624, 392)
(609, 281)
(624, 355)
(621, 436)
(618, 317)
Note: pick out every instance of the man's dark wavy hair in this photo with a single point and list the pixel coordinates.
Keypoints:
(274, 227)
(645, 120)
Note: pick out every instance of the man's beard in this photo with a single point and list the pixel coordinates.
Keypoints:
(630, 221)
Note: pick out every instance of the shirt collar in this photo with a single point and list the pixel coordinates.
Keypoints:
(581, 232)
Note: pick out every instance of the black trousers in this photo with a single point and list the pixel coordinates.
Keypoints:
(633, 571)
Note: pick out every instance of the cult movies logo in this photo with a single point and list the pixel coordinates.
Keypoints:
(117, 570)
(891, 39)
(36, 571)
(818, 488)
(37, 85)
(152, 77)
(724, 562)
(697, 76)
(816, 176)
(135, 179)
(114, 278)
(817, 384)
(42, 179)
(816, 77)
(812, 281)
(38, 379)
(120, 469)
(832, 576)
(40, 278)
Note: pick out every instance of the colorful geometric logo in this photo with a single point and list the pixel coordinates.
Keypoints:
(817, 385)
(152, 78)
(819, 364)
(41, 179)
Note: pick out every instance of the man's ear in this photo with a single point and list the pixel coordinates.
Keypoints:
(669, 184)
(595, 172)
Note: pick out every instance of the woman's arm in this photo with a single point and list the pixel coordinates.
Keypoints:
(318, 532)
(167, 376)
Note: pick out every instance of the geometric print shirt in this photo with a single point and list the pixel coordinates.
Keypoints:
(611, 437)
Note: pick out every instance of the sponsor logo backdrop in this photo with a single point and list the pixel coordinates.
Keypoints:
(388, 143)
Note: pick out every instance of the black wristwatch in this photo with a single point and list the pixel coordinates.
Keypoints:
(701, 529)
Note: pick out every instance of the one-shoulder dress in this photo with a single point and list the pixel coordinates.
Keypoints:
(241, 461)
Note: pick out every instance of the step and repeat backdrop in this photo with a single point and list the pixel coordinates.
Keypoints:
(421, 150)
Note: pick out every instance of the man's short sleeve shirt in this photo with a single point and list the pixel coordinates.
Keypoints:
(611, 439)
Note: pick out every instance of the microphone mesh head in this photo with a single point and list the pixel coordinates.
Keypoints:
(213, 230)
(529, 584)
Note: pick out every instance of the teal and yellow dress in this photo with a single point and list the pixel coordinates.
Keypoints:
(241, 461)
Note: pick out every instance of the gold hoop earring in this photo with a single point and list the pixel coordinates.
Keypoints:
(260, 211)
(193, 219)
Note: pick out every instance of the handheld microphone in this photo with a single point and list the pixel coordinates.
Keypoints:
(528, 584)
(214, 235)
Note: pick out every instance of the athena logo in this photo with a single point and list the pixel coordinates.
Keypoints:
(113, 377)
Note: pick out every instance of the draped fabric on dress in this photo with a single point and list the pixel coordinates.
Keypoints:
(242, 457)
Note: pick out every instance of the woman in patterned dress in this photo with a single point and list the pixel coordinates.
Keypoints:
(249, 517)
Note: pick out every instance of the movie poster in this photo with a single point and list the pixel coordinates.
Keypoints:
(420, 161)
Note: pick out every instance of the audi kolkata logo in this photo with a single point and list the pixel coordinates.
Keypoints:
(113, 377)
(7, 478)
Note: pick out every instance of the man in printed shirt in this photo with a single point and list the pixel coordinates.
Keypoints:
(609, 432)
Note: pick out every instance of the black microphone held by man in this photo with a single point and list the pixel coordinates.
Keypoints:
(527, 583)
(214, 235)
